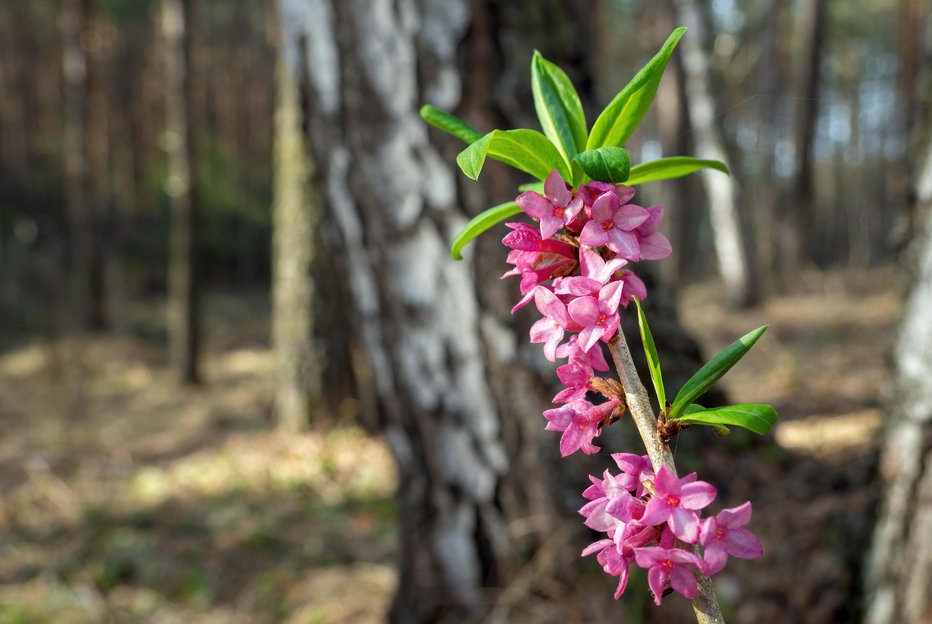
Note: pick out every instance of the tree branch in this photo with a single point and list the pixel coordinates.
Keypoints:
(705, 605)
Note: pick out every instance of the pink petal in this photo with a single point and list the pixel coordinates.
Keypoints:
(573, 209)
(625, 244)
(684, 524)
(534, 204)
(570, 441)
(650, 225)
(697, 495)
(655, 247)
(590, 262)
(743, 544)
(605, 207)
(578, 286)
(555, 189)
(590, 335)
(558, 419)
(596, 547)
(585, 311)
(714, 558)
(610, 296)
(550, 225)
(592, 190)
(657, 580)
(683, 581)
(634, 286)
(665, 483)
(550, 306)
(624, 193)
(593, 234)
(629, 217)
(735, 516)
(622, 581)
(655, 513)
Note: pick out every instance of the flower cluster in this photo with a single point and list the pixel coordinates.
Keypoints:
(573, 268)
(647, 533)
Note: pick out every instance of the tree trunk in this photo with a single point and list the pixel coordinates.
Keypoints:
(899, 568)
(799, 217)
(296, 209)
(183, 296)
(722, 194)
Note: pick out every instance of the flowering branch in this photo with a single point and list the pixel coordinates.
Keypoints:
(573, 264)
(705, 604)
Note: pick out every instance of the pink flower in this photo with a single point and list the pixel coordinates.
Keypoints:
(579, 422)
(637, 469)
(633, 287)
(535, 259)
(613, 225)
(612, 560)
(550, 329)
(668, 564)
(723, 535)
(612, 491)
(676, 501)
(555, 208)
(597, 316)
(652, 244)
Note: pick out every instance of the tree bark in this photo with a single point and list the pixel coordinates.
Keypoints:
(732, 259)
(183, 288)
(296, 209)
(899, 567)
(799, 217)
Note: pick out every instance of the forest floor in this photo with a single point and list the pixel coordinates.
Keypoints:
(124, 499)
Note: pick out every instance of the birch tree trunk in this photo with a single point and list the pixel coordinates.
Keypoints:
(732, 259)
(899, 567)
(183, 296)
(364, 68)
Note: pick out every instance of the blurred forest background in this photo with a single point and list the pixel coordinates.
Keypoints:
(242, 381)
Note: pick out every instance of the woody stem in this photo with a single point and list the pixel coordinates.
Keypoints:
(705, 605)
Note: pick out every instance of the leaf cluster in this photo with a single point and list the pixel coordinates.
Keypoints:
(567, 145)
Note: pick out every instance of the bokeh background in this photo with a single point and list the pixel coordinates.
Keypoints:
(241, 380)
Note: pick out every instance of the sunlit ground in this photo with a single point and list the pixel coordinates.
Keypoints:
(134, 500)
(127, 499)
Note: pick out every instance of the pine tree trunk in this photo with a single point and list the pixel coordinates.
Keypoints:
(296, 210)
(732, 259)
(183, 295)
(799, 218)
(899, 568)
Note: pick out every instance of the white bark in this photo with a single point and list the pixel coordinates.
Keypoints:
(899, 568)
(721, 191)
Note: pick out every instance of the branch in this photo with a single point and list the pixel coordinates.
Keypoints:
(705, 604)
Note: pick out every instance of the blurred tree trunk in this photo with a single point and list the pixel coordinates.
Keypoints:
(899, 568)
(732, 259)
(773, 81)
(800, 215)
(363, 70)
(183, 288)
(911, 21)
(295, 212)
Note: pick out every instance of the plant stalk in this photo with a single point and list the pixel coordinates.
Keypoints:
(705, 605)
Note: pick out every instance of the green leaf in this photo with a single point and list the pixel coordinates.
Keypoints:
(537, 187)
(623, 114)
(698, 384)
(754, 416)
(558, 107)
(672, 167)
(450, 124)
(480, 223)
(653, 360)
(606, 164)
(527, 150)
